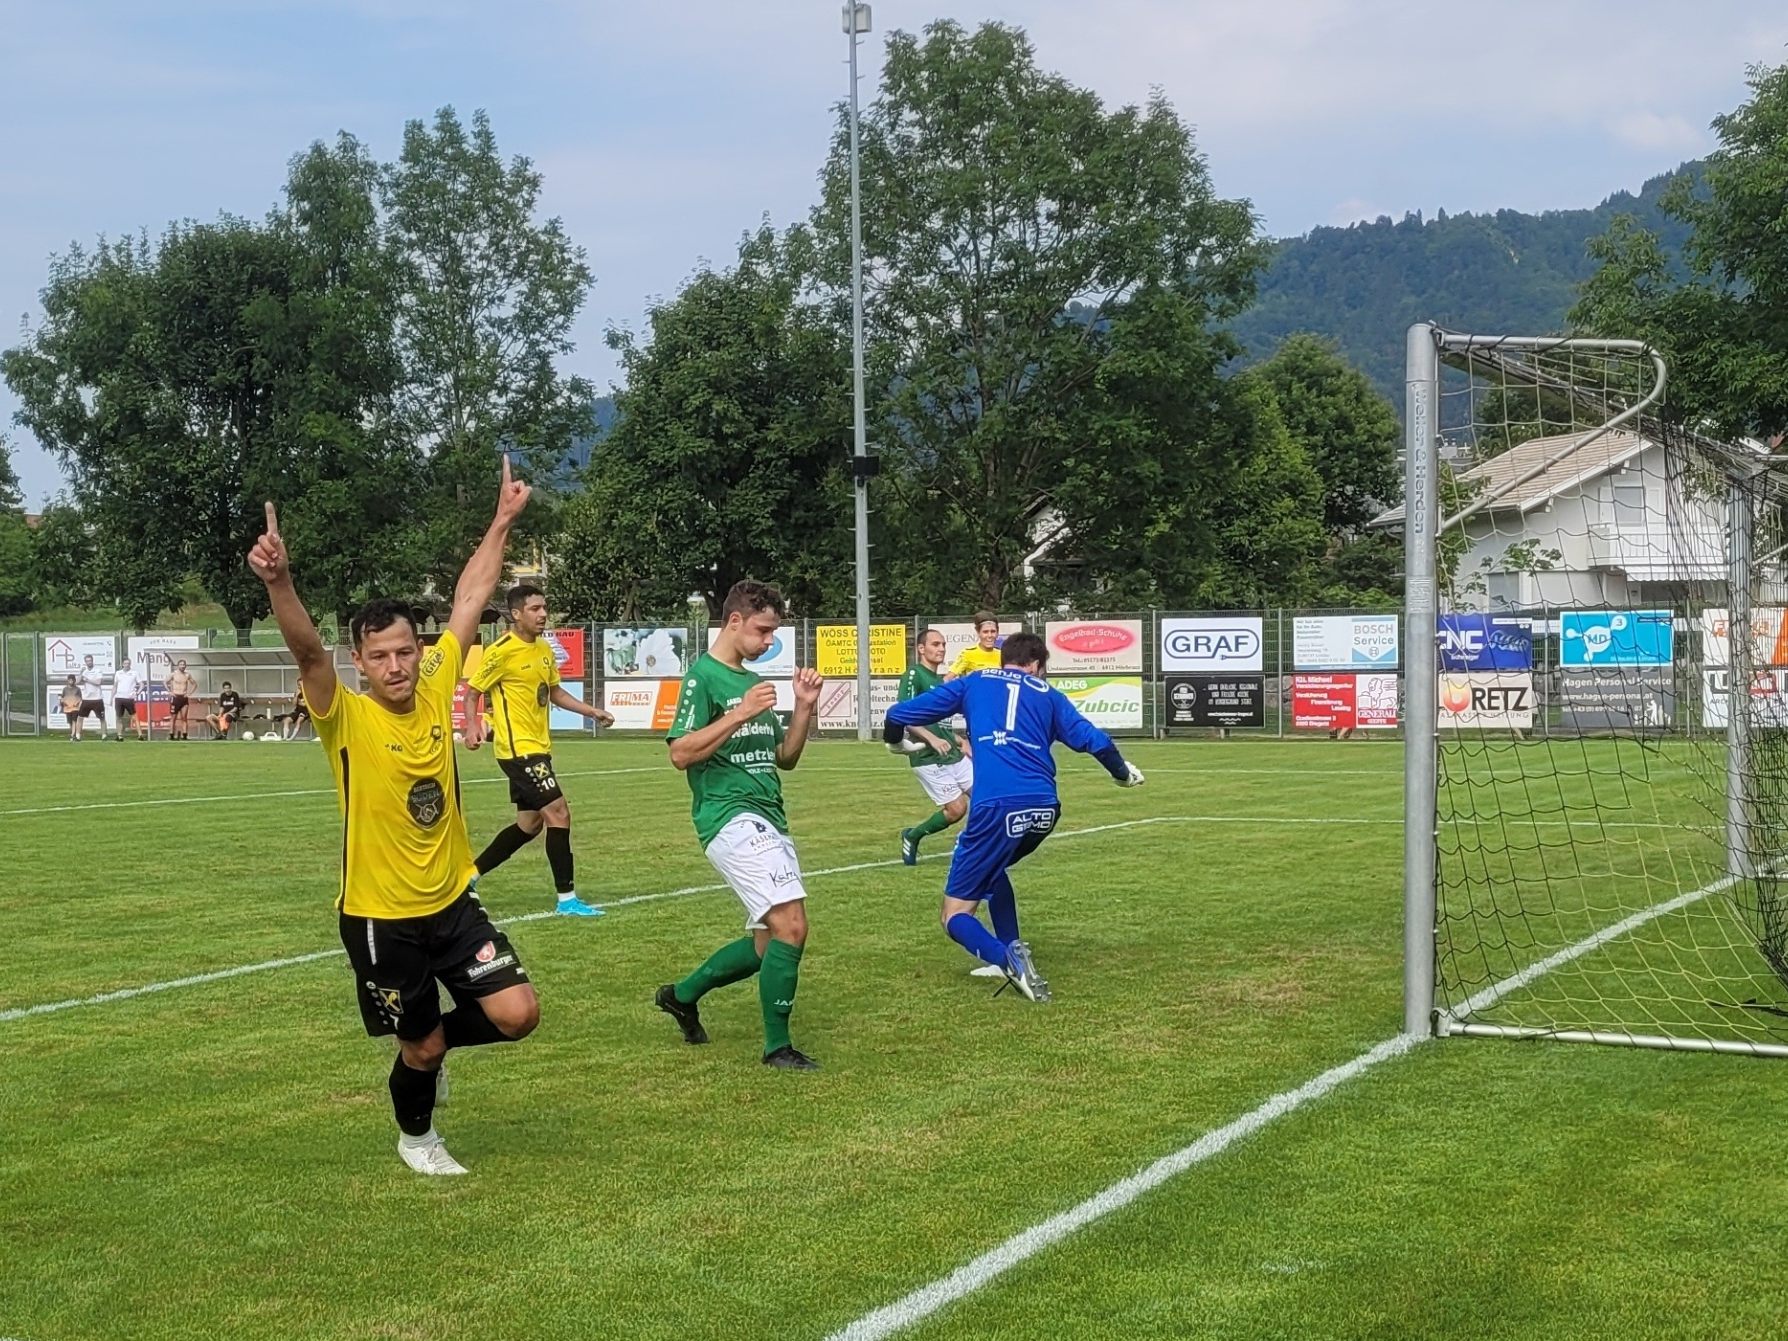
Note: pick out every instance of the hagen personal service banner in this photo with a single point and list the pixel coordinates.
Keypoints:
(1110, 702)
(1615, 637)
(835, 650)
(1211, 645)
(1344, 642)
(1094, 646)
(1485, 643)
(644, 653)
(1487, 699)
(777, 661)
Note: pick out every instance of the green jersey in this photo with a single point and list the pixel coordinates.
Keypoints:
(915, 682)
(740, 777)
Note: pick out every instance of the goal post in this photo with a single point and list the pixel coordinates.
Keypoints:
(1596, 704)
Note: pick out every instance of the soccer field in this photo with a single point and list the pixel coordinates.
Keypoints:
(215, 1158)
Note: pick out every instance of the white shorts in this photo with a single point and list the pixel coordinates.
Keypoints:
(757, 860)
(943, 783)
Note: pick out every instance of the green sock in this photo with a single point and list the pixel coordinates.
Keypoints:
(776, 991)
(727, 964)
(935, 824)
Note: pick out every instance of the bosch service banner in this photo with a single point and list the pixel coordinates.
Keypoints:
(1489, 699)
(1094, 647)
(1216, 700)
(1615, 638)
(644, 653)
(1344, 642)
(835, 650)
(1109, 702)
(778, 659)
(1485, 643)
(644, 705)
(1227, 645)
(838, 703)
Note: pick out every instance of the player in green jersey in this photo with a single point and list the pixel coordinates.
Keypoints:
(942, 768)
(729, 743)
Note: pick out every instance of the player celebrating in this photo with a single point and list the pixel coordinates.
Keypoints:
(408, 916)
(985, 654)
(728, 741)
(942, 767)
(521, 675)
(1013, 718)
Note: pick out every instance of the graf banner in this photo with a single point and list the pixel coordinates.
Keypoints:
(838, 703)
(644, 653)
(1216, 700)
(1487, 699)
(1222, 645)
(1109, 702)
(835, 650)
(1094, 647)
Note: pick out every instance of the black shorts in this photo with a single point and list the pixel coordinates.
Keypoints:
(73, 715)
(93, 707)
(126, 707)
(532, 783)
(397, 962)
(177, 703)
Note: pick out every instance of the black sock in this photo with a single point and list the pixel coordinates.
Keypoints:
(558, 856)
(468, 1026)
(412, 1098)
(504, 846)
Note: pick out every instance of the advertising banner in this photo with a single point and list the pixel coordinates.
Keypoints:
(1769, 637)
(1216, 700)
(1211, 646)
(568, 651)
(778, 659)
(1615, 637)
(838, 703)
(1485, 643)
(1110, 702)
(959, 637)
(1622, 698)
(1769, 697)
(152, 656)
(1487, 699)
(646, 705)
(1094, 647)
(1343, 702)
(65, 654)
(1344, 642)
(563, 719)
(644, 653)
(835, 650)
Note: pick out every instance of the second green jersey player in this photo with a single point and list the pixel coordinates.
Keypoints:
(943, 768)
(729, 743)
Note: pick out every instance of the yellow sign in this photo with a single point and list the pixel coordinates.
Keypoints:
(835, 649)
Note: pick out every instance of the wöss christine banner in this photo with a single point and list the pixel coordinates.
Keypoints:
(778, 659)
(1344, 642)
(644, 653)
(1487, 699)
(838, 703)
(1110, 702)
(1343, 702)
(1206, 645)
(1615, 637)
(1094, 646)
(835, 650)
(1485, 643)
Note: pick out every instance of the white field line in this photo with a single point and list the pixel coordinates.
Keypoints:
(219, 975)
(965, 1280)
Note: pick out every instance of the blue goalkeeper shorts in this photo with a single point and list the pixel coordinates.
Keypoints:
(999, 834)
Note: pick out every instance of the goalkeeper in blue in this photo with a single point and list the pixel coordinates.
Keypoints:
(1013, 717)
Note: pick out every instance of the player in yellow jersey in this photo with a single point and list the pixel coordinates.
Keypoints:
(408, 916)
(521, 674)
(985, 655)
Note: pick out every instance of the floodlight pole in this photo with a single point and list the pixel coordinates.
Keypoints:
(856, 21)
(1421, 705)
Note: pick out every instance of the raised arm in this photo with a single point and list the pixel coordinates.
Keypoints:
(316, 672)
(484, 569)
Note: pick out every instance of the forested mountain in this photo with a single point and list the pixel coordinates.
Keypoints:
(1508, 272)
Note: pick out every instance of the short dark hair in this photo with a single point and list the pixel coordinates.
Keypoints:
(226, 684)
(520, 594)
(986, 617)
(925, 633)
(750, 598)
(378, 615)
(1021, 649)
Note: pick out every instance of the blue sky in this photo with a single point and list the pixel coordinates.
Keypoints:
(666, 130)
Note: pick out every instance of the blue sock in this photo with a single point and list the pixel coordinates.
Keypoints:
(966, 930)
(1002, 907)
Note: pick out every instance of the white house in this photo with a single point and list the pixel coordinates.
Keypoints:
(1608, 524)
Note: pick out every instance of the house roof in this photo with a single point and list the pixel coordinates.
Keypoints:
(1591, 461)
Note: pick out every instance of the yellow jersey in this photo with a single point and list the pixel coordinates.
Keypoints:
(404, 850)
(519, 676)
(975, 658)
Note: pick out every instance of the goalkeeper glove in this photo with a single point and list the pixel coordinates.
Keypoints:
(1135, 776)
(907, 745)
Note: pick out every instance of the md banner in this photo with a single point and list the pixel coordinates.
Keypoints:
(1110, 702)
(1344, 642)
(1211, 645)
(1216, 700)
(644, 653)
(1485, 643)
(1094, 647)
(1487, 699)
(1615, 637)
(1343, 702)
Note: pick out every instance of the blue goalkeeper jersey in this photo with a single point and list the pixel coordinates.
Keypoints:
(1013, 720)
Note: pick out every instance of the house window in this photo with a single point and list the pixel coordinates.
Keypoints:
(1629, 499)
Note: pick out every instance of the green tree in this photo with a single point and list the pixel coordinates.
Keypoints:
(486, 299)
(1018, 237)
(1724, 327)
(15, 540)
(63, 558)
(729, 456)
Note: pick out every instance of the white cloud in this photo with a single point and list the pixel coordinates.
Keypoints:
(1665, 134)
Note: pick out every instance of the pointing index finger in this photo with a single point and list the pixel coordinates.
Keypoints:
(272, 520)
(506, 475)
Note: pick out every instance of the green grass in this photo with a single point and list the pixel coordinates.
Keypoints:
(216, 1161)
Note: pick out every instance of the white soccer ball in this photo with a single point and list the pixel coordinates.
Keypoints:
(248, 735)
(270, 737)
